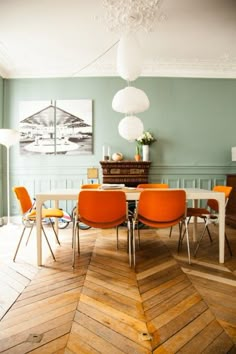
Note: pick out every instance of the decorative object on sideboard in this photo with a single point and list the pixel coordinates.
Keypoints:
(117, 156)
(137, 155)
(106, 153)
(145, 153)
(145, 140)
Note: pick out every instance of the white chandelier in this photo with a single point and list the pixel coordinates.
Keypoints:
(130, 15)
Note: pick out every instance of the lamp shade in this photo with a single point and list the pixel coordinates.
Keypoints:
(9, 137)
(130, 128)
(130, 100)
(233, 153)
(129, 58)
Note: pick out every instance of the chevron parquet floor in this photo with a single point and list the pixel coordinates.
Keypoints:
(165, 305)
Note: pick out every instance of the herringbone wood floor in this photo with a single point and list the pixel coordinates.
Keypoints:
(165, 305)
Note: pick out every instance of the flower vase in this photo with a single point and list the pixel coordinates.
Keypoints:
(145, 152)
(137, 157)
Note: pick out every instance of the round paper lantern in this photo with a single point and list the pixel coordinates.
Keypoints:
(130, 128)
(129, 58)
(9, 137)
(130, 100)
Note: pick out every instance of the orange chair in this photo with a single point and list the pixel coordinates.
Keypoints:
(162, 209)
(210, 215)
(90, 186)
(84, 186)
(112, 211)
(153, 185)
(28, 213)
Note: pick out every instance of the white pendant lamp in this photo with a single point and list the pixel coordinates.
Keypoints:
(130, 128)
(129, 57)
(8, 137)
(130, 100)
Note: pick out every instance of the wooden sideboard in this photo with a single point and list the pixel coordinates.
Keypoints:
(131, 173)
(230, 218)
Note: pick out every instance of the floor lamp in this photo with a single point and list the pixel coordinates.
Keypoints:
(8, 137)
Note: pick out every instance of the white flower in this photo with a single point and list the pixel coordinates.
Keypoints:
(146, 138)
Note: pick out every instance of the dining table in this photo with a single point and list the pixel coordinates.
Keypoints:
(132, 194)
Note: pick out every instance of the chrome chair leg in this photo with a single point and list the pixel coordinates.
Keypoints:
(187, 238)
(74, 244)
(129, 237)
(117, 238)
(139, 240)
(133, 243)
(228, 245)
(78, 240)
(19, 243)
(56, 235)
(48, 243)
(199, 241)
(181, 235)
(209, 234)
(27, 241)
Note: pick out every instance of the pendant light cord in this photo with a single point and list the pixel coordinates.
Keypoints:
(96, 59)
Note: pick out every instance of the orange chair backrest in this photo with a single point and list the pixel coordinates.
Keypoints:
(212, 203)
(102, 209)
(90, 186)
(23, 198)
(153, 185)
(163, 207)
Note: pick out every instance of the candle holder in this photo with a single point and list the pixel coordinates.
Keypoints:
(106, 153)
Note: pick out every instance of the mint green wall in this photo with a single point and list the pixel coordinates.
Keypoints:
(194, 121)
(1, 100)
(1, 148)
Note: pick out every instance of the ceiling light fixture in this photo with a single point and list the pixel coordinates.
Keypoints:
(131, 15)
(130, 100)
(129, 57)
(130, 128)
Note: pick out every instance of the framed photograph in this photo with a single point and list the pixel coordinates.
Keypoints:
(56, 127)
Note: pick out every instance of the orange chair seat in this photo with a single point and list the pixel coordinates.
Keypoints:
(197, 212)
(158, 224)
(46, 213)
(103, 225)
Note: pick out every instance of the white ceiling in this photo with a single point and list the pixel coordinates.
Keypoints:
(58, 38)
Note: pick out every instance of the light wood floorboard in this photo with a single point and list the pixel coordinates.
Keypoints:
(164, 305)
